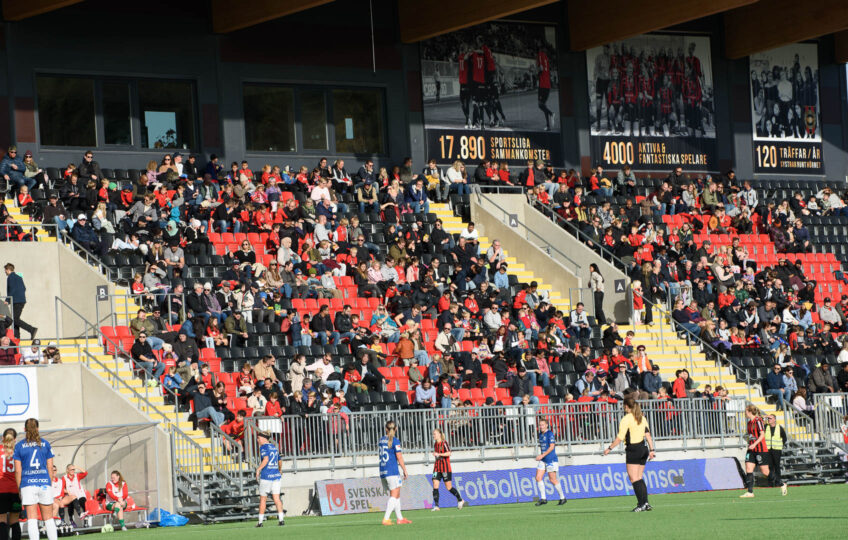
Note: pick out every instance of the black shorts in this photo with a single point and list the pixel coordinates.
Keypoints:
(543, 94)
(10, 502)
(636, 454)
(464, 92)
(479, 91)
(759, 458)
(601, 87)
(443, 476)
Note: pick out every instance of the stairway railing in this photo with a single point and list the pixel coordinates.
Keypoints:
(829, 411)
(189, 474)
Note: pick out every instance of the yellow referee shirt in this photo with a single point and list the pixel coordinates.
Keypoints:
(630, 432)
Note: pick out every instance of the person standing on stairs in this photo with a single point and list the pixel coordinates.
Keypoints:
(775, 439)
(596, 282)
(16, 288)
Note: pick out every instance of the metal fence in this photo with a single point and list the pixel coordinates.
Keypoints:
(828, 413)
(349, 440)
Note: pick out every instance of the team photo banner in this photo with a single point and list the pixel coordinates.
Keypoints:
(785, 110)
(492, 92)
(651, 104)
(357, 495)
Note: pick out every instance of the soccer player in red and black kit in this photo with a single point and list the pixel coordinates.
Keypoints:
(442, 470)
(464, 86)
(667, 119)
(543, 66)
(614, 103)
(757, 454)
(692, 103)
(629, 91)
(492, 100)
(478, 87)
(647, 104)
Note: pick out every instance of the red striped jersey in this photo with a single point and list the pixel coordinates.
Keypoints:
(478, 67)
(463, 69)
(755, 429)
(442, 464)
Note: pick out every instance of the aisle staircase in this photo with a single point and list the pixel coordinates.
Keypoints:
(39, 232)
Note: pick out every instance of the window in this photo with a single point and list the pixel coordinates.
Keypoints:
(166, 114)
(269, 119)
(66, 111)
(313, 117)
(358, 117)
(117, 127)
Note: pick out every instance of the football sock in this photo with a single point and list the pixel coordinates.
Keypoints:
(389, 507)
(435, 496)
(4, 531)
(749, 481)
(32, 527)
(397, 508)
(456, 494)
(49, 528)
(261, 518)
(641, 492)
(62, 514)
(281, 516)
(121, 522)
(16, 531)
(541, 485)
(559, 490)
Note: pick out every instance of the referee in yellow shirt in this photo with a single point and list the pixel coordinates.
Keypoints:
(633, 430)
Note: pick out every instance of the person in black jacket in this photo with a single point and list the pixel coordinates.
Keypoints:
(89, 169)
(521, 386)
(370, 376)
(190, 168)
(204, 406)
(73, 195)
(142, 355)
(343, 325)
(469, 366)
(186, 349)
(322, 325)
(196, 304)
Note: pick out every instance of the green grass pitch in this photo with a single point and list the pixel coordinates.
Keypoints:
(807, 512)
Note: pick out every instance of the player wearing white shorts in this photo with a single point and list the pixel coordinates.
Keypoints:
(269, 477)
(391, 463)
(547, 461)
(34, 474)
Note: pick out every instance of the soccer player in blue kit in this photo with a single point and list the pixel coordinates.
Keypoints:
(547, 461)
(269, 477)
(34, 474)
(391, 463)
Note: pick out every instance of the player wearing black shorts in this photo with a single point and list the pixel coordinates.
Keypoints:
(602, 80)
(464, 86)
(442, 470)
(543, 66)
(757, 454)
(478, 87)
(634, 432)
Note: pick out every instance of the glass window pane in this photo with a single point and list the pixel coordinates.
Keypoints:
(66, 111)
(269, 119)
(358, 117)
(313, 116)
(167, 114)
(116, 113)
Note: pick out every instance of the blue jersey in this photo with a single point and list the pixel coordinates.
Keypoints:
(548, 440)
(388, 457)
(271, 471)
(33, 458)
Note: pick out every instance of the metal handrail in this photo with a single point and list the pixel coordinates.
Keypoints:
(189, 468)
(89, 257)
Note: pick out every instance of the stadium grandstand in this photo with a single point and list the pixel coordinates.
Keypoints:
(250, 231)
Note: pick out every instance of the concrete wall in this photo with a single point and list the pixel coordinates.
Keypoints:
(49, 269)
(551, 250)
(70, 397)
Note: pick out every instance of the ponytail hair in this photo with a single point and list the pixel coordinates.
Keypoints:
(441, 435)
(754, 410)
(9, 437)
(31, 428)
(391, 427)
(635, 409)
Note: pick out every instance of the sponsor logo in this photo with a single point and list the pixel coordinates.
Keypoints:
(336, 497)
(14, 394)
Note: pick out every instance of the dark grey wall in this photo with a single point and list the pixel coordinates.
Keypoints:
(325, 46)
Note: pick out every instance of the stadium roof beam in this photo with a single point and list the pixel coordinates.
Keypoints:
(422, 19)
(840, 47)
(231, 15)
(592, 24)
(18, 10)
(772, 23)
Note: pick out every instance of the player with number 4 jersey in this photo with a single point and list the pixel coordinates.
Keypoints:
(34, 474)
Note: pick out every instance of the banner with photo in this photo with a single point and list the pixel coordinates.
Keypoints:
(785, 110)
(651, 104)
(492, 91)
